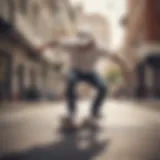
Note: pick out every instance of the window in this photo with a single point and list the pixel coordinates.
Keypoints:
(23, 5)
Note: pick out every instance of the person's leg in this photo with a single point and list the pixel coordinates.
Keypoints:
(101, 88)
(70, 92)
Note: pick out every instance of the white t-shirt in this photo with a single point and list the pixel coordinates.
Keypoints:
(82, 59)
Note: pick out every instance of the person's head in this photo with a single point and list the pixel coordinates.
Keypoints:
(85, 34)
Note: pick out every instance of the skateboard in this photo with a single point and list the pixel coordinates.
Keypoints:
(77, 127)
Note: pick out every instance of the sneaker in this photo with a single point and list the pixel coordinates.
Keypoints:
(96, 116)
(89, 123)
(68, 123)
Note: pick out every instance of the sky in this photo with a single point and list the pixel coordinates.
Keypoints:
(112, 10)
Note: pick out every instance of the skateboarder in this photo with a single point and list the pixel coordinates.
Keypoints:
(84, 53)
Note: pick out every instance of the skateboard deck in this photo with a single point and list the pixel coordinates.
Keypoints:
(77, 127)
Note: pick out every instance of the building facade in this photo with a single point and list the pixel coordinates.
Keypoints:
(142, 31)
(143, 22)
(25, 25)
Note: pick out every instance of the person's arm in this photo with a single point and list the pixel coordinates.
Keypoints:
(119, 61)
(71, 45)
(46, 46)
(66, 45)
(111, 55)
(125, 69)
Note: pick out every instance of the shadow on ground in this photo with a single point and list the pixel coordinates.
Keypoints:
(68, 148)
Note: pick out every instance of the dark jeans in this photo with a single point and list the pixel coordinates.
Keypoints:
(92, 78)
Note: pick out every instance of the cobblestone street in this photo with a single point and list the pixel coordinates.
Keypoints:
(128, 131)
